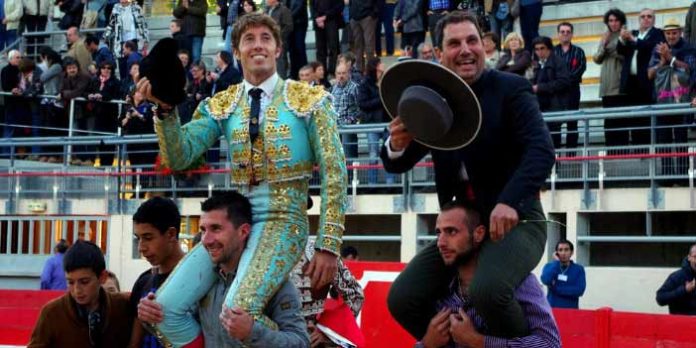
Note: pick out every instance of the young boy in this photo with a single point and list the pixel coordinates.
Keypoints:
(156, 225)
(86, 316)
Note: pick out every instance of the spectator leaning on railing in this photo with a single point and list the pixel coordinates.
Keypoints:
(10, 77)
(30, 86)
(52, 110)
(103, 88)
(74, 85)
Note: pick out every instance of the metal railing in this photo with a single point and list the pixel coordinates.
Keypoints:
(31, 41)
(591, 164)
(36, 235)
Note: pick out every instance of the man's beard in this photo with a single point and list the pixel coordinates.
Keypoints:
(468, 255)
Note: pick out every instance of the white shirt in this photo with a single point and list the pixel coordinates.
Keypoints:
(267, 86)
(128, 24)
(634, 60)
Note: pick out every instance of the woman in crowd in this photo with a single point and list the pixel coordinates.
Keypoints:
(247, 6)
(103, 88)
(51, 110)
(135, 120)
(491, 45)
(610, 89)
(320, 75)
(515, 59)
(197, 89)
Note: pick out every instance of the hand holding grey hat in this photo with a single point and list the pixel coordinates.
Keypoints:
(437, 107)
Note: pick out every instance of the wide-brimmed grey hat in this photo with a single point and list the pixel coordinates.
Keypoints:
(437, 107)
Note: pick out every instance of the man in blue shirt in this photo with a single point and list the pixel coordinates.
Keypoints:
(53, 276)
(564, 278)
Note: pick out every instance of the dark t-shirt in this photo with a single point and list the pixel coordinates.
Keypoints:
(146, 283)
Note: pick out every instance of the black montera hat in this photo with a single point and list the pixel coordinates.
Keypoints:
(163, 69)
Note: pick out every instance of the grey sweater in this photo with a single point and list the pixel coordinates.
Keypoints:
(284, 309)
(51, 79)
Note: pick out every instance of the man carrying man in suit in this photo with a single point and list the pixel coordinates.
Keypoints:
(503, 168)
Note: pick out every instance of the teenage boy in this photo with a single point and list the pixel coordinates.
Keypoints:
(156, 226)
(86, 316)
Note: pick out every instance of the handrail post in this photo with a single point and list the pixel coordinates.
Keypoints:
(71, 124)
(691, 177)
(600, 178)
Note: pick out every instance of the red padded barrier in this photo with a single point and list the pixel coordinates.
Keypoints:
(602, 328)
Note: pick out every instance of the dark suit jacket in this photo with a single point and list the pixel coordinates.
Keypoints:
(299, 13)
(644, 49)
(510, 158)
(228, 77)
(553, 84)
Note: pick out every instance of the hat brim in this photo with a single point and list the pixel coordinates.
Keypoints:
(460, 97)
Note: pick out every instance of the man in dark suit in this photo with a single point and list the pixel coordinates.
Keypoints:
(504, 167)
(551, 83)
(327, 16)
(282, 15)
(296, 44)
(637, 46)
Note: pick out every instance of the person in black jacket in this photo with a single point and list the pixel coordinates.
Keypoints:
(226, 74)
(296, 44)
(137, 119)
(551, 83)
(30, 88)
(328, 19)
(678, 291)
(502, 171)
(103, 88)
(372, 111)
(72, 10)
(181, 39)
(637, 47)
(14, 106)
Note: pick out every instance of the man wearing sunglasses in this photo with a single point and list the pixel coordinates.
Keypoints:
(278, 132)
(638, 46)
(86, 316)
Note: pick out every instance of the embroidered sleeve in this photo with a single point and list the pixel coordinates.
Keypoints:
(181, 146)
(328, 153)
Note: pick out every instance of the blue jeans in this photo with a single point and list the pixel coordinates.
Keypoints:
(386, 20)
(7, 37)
(374, 145)
(500, 27)
(228, 39)
(196, 47)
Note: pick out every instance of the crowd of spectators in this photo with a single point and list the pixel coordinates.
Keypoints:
(637, 67)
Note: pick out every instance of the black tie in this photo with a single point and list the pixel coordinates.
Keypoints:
(255, 94)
